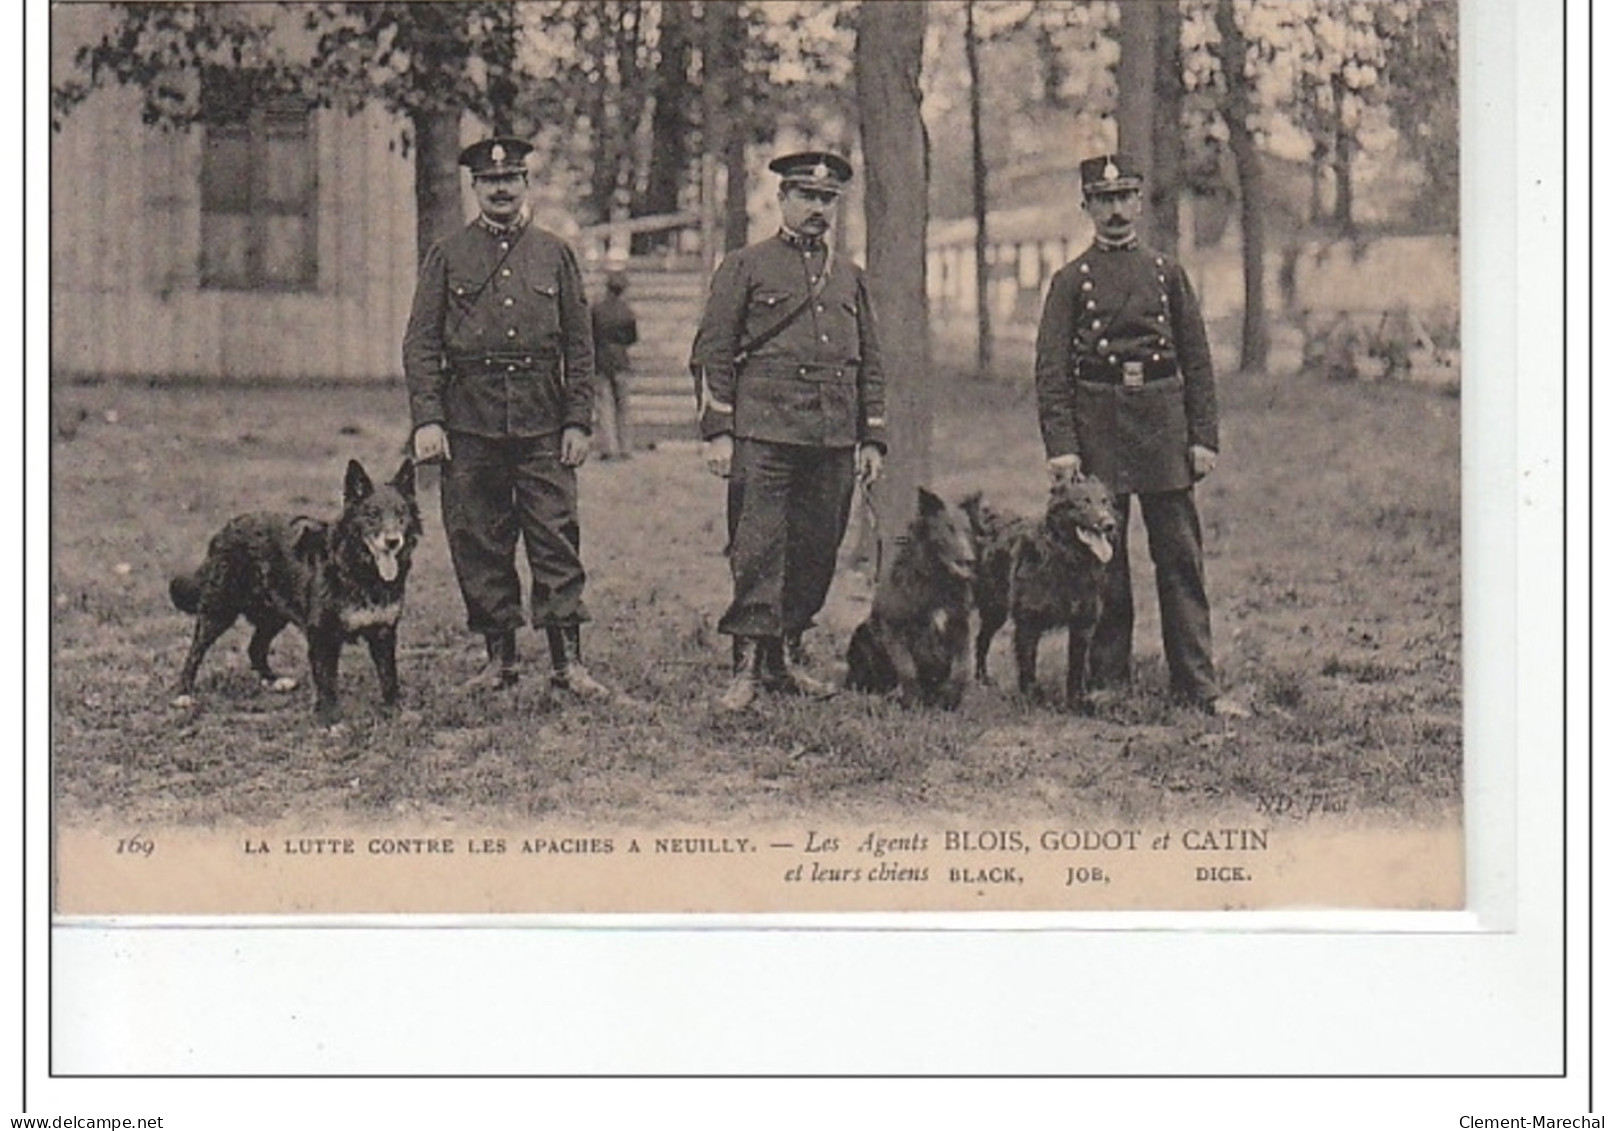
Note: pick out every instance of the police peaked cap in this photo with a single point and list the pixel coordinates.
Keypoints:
(1114, 172)
(496, 156)
(815, 169)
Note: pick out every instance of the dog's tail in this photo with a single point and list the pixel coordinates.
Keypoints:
(186, 592)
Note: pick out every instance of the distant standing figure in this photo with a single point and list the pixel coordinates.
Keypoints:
(1125, 392)
(499, 363)
(615, 329)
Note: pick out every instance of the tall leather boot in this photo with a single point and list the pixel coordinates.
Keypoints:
(502, 667)
(781, 673)
(743, 685)
(566, 662)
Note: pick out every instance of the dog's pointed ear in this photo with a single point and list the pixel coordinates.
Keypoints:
(971, 506)
(405, 479)
(931, 503)
(356, 486)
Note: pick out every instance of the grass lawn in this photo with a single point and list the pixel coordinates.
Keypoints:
(1332, 537)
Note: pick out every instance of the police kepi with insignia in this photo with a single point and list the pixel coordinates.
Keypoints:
(1125, 391)
(792, 407)
(499, 361)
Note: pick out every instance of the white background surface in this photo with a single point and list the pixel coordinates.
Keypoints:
(1480, 997)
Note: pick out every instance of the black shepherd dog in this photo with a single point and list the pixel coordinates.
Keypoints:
(917, 637)
(335, 581)
(1045, 573)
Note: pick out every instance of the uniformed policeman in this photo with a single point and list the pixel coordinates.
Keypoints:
(1125, 391)
(792, 408)
(499, 363)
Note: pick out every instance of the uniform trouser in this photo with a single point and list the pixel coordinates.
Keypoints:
(494, 490)
(788, 506)
(1173, 526)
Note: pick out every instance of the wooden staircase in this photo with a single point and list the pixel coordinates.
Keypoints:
(667, 296)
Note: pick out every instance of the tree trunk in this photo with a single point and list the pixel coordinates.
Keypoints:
(670, 124)
(978, 196)
(628, 35)
(438, 209)
(737, 178)
(1135, 89)
(723, 126)
(1236, 110)
(594, 31)
(886, 68)
(1167, 129)
(499, 56)
(1344, 145)
(737, 187)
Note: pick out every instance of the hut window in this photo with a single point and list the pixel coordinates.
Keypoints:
(258, 199)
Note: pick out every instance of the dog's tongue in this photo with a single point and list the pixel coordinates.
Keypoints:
(387, 566)
(1098, 544)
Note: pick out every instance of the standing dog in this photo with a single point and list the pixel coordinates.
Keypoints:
(335, 581)
(1045, 574)
(917, 637)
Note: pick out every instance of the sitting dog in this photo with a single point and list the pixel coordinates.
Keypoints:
(917, 638)
(335, 581)
(1045, 574)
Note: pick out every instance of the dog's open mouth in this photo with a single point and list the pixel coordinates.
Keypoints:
(386, 559)
(1098, 544)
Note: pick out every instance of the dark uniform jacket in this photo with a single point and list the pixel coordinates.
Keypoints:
(615, 329)
(818, 382)
(499, 342)
(1124, 375)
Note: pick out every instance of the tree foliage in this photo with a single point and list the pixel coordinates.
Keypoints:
(405, 57)
(1330, 81)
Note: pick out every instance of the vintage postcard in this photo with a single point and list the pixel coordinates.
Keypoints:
(1209, 252)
